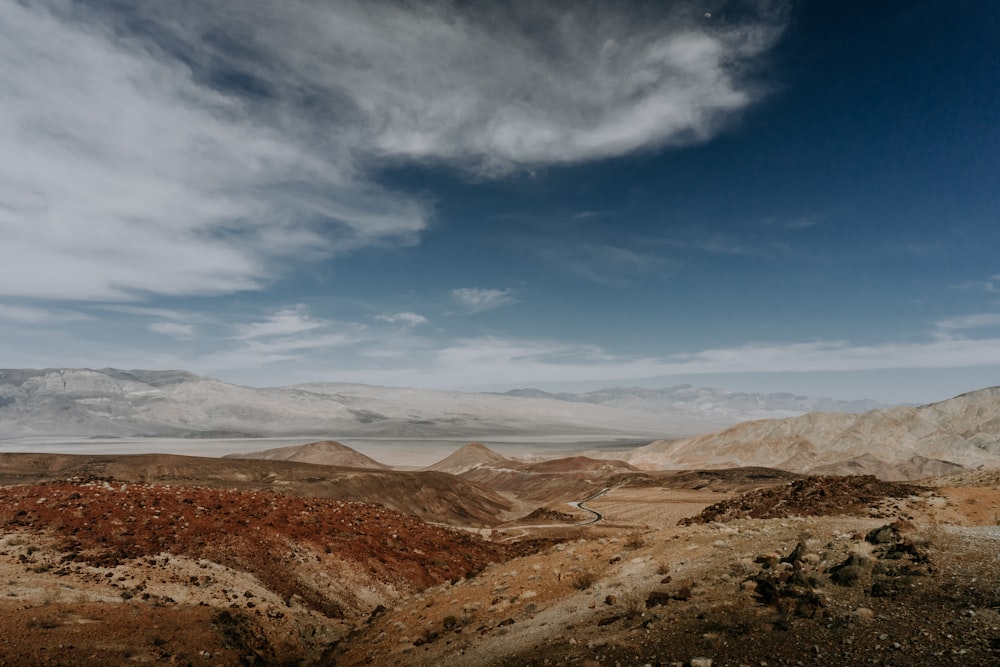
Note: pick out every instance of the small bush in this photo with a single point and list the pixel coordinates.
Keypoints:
(584, 580)
(849, 572)
(635, 540)
(846, 576)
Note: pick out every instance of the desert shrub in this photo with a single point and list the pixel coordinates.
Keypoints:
(885, 588)
(584, 580)
(743, 567)
(805, 580)
(849, 572)
(635, 540)
(882, 535)
(846, 576)
(45, 622)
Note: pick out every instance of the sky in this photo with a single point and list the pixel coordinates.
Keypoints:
(571, 194)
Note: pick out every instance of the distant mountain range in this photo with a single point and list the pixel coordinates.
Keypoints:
(893, 443)
(900, 443)
(112, 402)
(685, 400)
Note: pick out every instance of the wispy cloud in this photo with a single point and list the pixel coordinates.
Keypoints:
(291, 334)
(35, 315)
(606, 264)
(405, 319)
(975, 321)
(173, 329)
(991, 285)
(285, 322)
(479, 300)
(801, 223)
(721, 243)
(157, 148)
(499, 360)
(143, 311)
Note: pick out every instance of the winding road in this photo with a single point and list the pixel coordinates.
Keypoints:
(578, 504)
(597, 516)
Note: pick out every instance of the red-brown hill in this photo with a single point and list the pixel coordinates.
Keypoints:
(326, 452)
(104, 524)
(432, 496)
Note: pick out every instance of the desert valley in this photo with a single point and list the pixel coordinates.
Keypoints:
(825, 538)
(437, 333)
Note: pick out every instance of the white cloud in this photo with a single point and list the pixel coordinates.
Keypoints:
(163, 313)
(33, 315)
(173, 329)
(200, 149)
(121, 174)
(478, 300)
(406, 319)
(976, 321)
(286, 322)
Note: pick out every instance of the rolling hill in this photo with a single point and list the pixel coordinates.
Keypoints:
(327, 453)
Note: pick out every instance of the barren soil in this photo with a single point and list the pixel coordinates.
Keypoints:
(833, 571)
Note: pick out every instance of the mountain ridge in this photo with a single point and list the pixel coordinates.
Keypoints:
(177, 403)
(901, 442)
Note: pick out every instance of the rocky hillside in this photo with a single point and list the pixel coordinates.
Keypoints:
(281, 575)
(896, 443)
(432, 496)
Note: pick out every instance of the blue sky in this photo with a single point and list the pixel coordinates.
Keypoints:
(766, 196)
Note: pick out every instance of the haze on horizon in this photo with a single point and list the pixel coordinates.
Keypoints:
(752, 195)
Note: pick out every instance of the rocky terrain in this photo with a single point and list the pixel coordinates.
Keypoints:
(961, 433)
(106, 563)
(431, 496)
(283, 577)
(316, 554)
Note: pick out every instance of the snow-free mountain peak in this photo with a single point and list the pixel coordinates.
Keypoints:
(893, 443)
(468, 457)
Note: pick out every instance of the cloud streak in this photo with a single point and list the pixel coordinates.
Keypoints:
(173, 329)
(31, 315)
(498, 361)
(406, 319)
(479, 300)
(286, 322)
(975, 321)
(185, 148)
